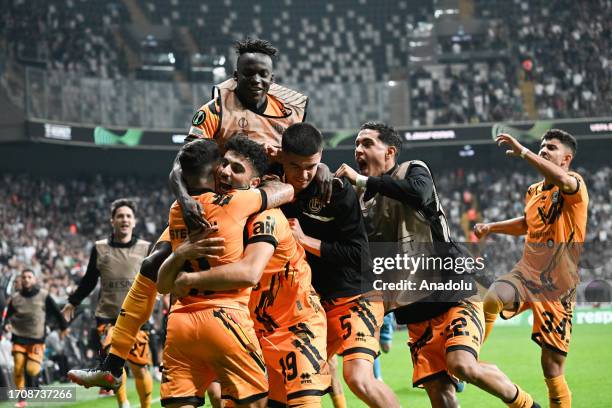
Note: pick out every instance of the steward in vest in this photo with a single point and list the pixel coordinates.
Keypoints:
(402, 209)
(115, 262)
(28, 311)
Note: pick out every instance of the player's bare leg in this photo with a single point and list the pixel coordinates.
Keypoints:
(359, 376)
(337, 393)
(214, 394)
(500, 296)
(553, 365)
(441, 392)
(463, 365)
(144, 384)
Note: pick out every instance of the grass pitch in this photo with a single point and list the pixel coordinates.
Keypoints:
(589, 372)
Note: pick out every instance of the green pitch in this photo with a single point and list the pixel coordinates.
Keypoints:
(589, 370)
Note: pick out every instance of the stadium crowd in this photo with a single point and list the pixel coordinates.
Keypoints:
(567, 80)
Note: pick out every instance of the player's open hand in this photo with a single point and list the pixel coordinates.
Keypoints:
(324, 180)
(482, 230)
(68, 312)
(347, 171)
(199, 245)
(193, 215)
(515, 147)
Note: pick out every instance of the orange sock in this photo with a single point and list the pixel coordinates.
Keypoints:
(559, 394)
(489, 322)
(522, 399)
(339, 401)
(135, 311)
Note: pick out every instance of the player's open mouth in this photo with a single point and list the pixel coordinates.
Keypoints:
(361, 163)
(225, 186)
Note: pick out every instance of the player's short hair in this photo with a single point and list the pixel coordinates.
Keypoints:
(195, 156)
(302, 139)
(565, 138)
(23, 272)
(122, 202)
(255, 45)
(252, 151)
(387, 134)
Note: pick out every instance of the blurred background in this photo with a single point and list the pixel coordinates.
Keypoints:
(97, 96)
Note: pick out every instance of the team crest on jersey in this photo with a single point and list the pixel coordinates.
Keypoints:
(315, 205)
(198, 118)
(243, 123)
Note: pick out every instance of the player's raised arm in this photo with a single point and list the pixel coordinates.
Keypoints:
(552, 161)
(514, 226)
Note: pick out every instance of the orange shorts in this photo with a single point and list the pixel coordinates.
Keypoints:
(164, 237)
(139, 354)
(34, 352)
(353, 327)
(296, 360)
(552, 323)
(209, 344)
(459, 328)
(552, 319)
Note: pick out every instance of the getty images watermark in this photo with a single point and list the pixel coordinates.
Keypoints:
(403, 273)
(408, 266)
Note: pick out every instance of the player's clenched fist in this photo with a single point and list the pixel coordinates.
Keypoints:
(481, 230)
(347, 171)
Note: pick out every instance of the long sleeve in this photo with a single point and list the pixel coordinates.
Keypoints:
(89, 281)
(349, 249)
(415, 189)
(54, 311)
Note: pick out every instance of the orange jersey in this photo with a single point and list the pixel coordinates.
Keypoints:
(556, 229)
(555, 216)
(282, 296)
(230, 213)
(207, 120)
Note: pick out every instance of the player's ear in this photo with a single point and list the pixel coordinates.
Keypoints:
(391, 152)
(255, 182)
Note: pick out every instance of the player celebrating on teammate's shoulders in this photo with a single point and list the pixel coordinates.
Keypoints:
(115, 261)
(335, 239)
(248, 103)
(445, 327)
(545, 278)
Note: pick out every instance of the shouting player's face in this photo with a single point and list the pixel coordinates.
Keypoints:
(556, 152)
(371, 154)
(254, 76)
(235, 172)
(300, 170)
(123, 222)
(28, 280)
